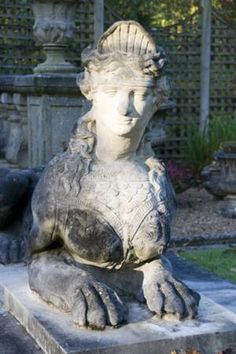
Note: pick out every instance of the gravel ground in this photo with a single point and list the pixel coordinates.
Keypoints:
(197, 215)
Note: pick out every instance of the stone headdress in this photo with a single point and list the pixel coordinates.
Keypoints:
(130, 38)
(125, 44)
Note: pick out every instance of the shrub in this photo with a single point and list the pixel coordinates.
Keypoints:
(180, 176)
(200, 146)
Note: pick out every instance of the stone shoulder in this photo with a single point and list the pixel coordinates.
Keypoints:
(44, 192)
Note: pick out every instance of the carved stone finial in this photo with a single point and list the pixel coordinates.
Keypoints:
(54, 25)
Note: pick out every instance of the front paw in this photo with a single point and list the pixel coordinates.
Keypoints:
(95, 305)
(12, 250)
(167, 295)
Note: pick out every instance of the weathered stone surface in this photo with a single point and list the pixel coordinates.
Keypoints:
(16, 188)
(13, 337)
(13, 188)
(12, 248)
(2, 135)
(102, 209)
(51, 118)
(213, 331)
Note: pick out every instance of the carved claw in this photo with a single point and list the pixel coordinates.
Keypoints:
(95, 306)
(165, 294)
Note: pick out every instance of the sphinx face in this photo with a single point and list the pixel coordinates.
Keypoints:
(124, 109)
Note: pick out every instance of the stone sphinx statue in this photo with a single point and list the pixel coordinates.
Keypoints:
(102, 209)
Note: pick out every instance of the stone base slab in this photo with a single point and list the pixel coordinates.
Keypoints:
(213, 331)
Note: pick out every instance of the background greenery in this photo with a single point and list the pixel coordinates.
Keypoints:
(165, 13)
(219, 261)
(199, 147)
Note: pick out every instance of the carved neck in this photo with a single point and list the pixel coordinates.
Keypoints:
(111, 147)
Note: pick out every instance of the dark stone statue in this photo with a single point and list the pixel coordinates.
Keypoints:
(16, 189)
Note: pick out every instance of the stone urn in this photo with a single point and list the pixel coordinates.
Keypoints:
(220, 177)
(54, 25)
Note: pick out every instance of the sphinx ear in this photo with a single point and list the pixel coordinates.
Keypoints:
(87, 92)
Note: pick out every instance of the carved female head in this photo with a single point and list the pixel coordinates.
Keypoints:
(123, 76)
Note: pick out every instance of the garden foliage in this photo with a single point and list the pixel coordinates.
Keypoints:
(199, 150)
(200, 146)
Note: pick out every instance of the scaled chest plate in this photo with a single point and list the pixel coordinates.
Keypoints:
(104, 216)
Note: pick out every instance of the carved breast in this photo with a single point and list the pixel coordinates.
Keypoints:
(121, 193)
(113, 202)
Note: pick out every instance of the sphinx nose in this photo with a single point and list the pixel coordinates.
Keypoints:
(125, 104)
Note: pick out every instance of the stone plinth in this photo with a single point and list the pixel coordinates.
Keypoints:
(213, 331)
(54, 103)
(51, 119)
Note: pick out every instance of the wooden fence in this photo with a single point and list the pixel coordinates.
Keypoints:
(182, 45)
(17, 47)
(182, 42)
(223, 68)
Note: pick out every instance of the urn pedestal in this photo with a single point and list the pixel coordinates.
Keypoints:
(54, 25)
(220, 178)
